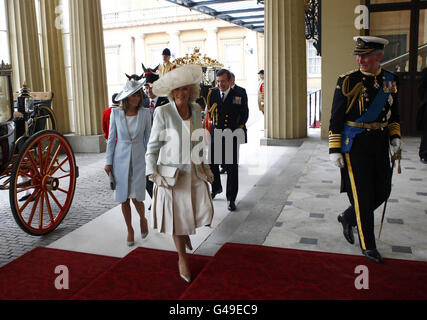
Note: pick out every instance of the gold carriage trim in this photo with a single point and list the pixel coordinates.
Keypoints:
(394, 129)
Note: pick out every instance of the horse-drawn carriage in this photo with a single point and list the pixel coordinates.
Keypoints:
(37, 164)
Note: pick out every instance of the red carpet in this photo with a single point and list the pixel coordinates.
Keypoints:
(144, 274)
(259, 272)
(236, 272)
(32, 276)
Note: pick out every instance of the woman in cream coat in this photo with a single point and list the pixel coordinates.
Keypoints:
(180, 209)
(130, 126)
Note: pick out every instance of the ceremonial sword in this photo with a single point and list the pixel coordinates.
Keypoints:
(397, 156)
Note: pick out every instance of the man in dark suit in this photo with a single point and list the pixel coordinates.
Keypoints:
(151, 102)
(229, 112)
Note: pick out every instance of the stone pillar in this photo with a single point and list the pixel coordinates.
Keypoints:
(54, 63)
(89, 77)
(211, 42)
(251, 52)
(24, 45)
(337, 50)
(285, 71)
(140, 52)
(174, 43)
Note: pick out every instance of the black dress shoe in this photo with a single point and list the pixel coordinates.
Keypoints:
(423, 160)
(214, 193)
(347, 229)
(231, 206)
(373, 255)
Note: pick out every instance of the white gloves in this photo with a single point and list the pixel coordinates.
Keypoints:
(158, 179)
(209, 175)
(337, 159)
(395, 145)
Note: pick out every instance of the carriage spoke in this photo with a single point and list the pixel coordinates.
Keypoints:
(49, 149)
(49, 208)
(66, 176)
(41, 211)
(28, 201)
(54, 158)
(56, 169)
(24, 174)
(26, 188)
(34, 164)
(39, 147)
(34, 209)
(56, 200)
(62, 190)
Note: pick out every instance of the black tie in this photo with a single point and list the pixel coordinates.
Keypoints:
(223, 96)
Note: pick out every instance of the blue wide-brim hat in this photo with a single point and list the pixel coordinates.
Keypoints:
(130, 88)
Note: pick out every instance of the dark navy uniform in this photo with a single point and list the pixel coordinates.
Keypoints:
(366, 177)
(232, 113)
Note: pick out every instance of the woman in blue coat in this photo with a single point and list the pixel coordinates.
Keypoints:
(130, 126)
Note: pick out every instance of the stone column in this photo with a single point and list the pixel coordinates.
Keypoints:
(174, 43)
(24, 45)
(285, 71)
(90, 92)
(54, 63)
(211, 42)
(140, 52)
(337, 50)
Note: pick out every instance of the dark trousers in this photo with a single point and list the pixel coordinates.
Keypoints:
(149, 187)
(423, 145)
(232, 180)
(367, 180)
(229, 161)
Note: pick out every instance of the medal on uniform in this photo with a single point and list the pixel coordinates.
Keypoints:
(376, 84)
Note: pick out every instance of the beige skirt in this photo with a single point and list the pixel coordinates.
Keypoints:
(182, 209)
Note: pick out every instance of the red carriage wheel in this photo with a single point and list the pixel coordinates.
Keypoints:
(46, 171)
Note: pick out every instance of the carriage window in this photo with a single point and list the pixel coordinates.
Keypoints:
(4, 99)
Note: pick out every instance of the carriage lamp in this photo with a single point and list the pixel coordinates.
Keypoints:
(25, 100)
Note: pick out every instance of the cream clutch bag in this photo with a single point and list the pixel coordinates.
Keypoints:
(169, 174)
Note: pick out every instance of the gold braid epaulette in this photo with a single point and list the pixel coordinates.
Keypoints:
(352, 95)
(213, 110)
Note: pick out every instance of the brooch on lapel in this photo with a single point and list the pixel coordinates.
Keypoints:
(237, 100)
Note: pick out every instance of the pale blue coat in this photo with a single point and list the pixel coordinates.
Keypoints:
(119, 155)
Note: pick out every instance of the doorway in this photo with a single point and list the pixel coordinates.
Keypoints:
(404, 24)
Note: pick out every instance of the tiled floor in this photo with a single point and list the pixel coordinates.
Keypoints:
(309, 218)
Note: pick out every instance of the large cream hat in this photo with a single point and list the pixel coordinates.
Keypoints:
(182, 76)
(130, 88)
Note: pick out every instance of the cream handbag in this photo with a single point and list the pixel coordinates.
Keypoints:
(169, 175)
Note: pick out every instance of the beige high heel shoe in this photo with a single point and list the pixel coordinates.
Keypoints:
(185, 277)
(130, 243)
(144, 234)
